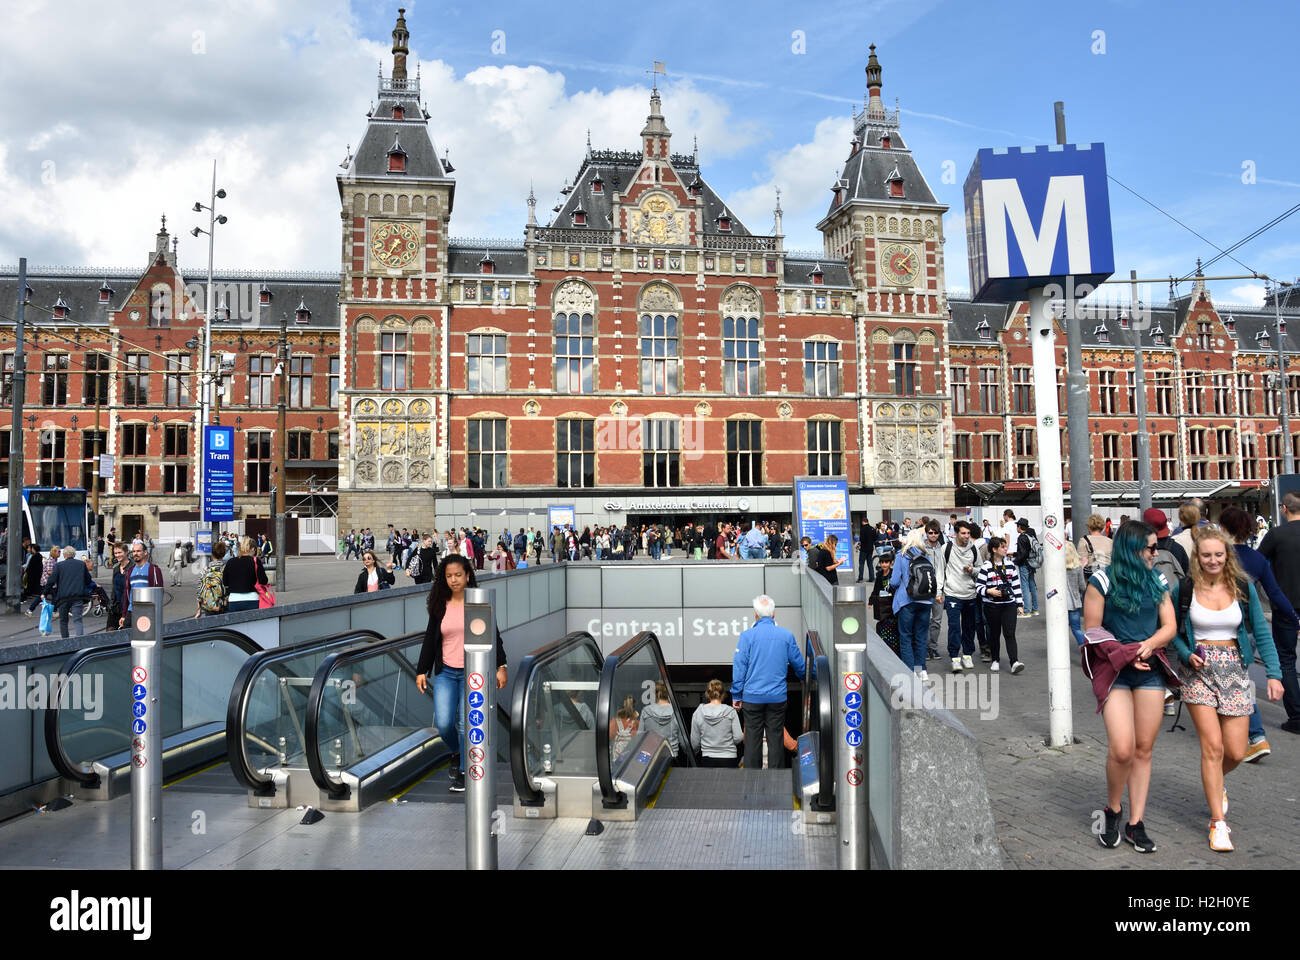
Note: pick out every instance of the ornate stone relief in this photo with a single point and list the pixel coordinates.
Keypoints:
(660, 297)
(742, 300)
(618, 408)
(393, 441)
(908, 443)
(574, 296)
(703, 409)
(784, 410)
(532, 408)
(657, 221)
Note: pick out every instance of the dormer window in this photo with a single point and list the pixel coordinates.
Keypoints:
(579, 218)
(695, 186)
(885, 142)
(223, 310)
(984, 331)
(105, 292)
(1281, 325)
(302, 314)
(597, 184)
(1262, 338)
(1231, 323)
(723, 220)
(1101, 332)
(816, 275)
(1158, 335)
(264, 295)
(60, 311)
(399, 112)
(854, 145)
(396, 157)
(895, 181)
(487, 264)
(1123, 323)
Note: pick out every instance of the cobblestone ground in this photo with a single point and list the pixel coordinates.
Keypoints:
(1044, 798)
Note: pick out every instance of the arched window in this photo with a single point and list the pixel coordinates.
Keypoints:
(741, 367)
(821, 368)
(575, 338)
(659, 354)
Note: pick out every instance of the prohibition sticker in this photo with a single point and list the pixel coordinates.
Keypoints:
(852, 681)
(854, 777)
(140, 759)
(139, 675)
(1049, 521)
(476, 772)
(476, 681)
(1051, 538)
(476, 754)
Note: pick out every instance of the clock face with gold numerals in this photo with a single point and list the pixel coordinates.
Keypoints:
(899, 264)
(393, 243)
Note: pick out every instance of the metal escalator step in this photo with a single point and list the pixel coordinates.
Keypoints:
(696, 788)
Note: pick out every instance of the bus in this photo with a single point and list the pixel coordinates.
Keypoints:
(52, 517)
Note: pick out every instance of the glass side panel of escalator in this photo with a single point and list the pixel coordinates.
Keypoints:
(642, 700)
(560, 713)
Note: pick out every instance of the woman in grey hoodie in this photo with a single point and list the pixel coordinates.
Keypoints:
(659, 718)
(715, 730)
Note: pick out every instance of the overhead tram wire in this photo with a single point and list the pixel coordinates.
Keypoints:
(1246, 239)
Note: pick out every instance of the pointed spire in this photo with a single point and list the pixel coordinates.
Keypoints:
(400, 50)
(655, 127)
(161, 238)
(778, 211)
(532, 206)
(589, 143)
(874, 106)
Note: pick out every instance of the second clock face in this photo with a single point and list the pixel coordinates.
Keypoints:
(900, 264)
(393, 244)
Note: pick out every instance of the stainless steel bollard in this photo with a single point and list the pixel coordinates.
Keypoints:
(850, 729)
(480, 716)
(146, 728)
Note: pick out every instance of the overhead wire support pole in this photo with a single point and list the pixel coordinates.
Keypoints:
(13, 566)
(1138, 324)
(1288, 455)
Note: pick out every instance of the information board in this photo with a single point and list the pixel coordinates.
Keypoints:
(218, 473)
(821, 507)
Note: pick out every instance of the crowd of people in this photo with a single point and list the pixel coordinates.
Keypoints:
(1223, 595)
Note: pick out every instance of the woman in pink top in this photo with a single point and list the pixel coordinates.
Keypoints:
(443, 653)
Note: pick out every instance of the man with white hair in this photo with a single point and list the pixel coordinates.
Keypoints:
(69, 588)
(764, 652)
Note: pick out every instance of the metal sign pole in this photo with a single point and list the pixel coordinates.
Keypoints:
(146, 728)
(850, 758)
(1042, 335)
(480, 712)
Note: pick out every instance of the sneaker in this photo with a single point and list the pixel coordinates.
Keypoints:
(956, 664)
(1136, 834)
(1109, 837)
(985, 656)
(28, 614)
(1035, 613)
(967, 663)
(1017, 667)
(1219, 842)
(457, 783)
(994, 666)
(1259, 748)
(925, 676)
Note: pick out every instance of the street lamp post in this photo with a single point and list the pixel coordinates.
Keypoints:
(13, 568)
(206, 377)
(1140, 396)
(282, 550)
(1288, 457)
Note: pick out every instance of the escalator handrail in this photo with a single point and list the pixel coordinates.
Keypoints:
(63, 764)
(605, 711)
(817, 675)
(241, 692)
(527, 792)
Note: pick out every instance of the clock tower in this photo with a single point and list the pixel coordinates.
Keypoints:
(396, 198)
(885, 222)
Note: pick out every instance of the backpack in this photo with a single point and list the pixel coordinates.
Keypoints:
(1169, 565)
(413, 566)
(921, 581)
(1035, 559)
(212, 591)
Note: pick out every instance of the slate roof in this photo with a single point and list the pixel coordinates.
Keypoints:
(507, 261)
(835, 273)
(616, 170)
(80, 291)
(867, 174)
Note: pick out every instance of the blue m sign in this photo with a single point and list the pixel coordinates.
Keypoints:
(1037, 217)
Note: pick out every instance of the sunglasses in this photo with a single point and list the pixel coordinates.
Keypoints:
(1151, 549)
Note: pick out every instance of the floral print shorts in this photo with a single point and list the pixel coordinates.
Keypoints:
(1222, 683)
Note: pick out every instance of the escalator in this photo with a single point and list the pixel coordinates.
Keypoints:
(87, 724)
(336, 723)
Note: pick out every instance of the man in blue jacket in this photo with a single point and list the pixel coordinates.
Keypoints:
(758, 683)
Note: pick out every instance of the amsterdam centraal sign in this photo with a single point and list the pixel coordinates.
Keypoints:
(724, 504)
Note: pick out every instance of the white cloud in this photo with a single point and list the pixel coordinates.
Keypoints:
(86, 168)
(1250, 293)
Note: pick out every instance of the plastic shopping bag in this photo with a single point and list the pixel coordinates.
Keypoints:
(47, 617)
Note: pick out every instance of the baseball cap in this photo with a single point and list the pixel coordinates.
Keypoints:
(1155, 517)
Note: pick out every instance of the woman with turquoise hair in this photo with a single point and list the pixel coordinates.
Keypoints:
(1129, 616)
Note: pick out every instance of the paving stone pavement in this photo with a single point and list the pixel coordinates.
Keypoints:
(1044, 798)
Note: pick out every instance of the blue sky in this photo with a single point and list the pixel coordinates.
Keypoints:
(1182, 95)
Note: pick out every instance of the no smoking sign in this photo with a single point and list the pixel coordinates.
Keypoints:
(476, 681)
(139, 675)
(852, 681)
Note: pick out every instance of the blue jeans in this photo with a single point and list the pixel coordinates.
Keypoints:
(913, 631)
(1256, 729)
(961, 625)
(1076, 626)
(654, 550)
(449, 698)
(1029, 588)
(1284, 639)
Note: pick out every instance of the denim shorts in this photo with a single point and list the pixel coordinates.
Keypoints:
(1131, 678)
